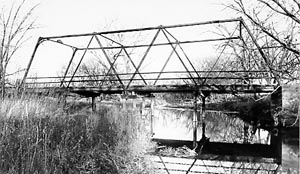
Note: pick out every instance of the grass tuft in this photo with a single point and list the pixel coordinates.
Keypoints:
(38, 136)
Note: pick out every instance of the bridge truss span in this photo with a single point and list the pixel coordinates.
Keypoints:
(220, 56)
(212, 56)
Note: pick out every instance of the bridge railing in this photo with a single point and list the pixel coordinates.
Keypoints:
(156, 78)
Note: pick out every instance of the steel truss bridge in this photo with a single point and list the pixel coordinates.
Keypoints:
(148, 68)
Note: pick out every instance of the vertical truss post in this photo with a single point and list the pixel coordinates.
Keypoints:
(39, 41)
(69, 65)
(143, 58)
(86, 49)
(110, 63)
(195, 121)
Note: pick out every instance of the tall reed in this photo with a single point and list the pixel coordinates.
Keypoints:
(38, 135)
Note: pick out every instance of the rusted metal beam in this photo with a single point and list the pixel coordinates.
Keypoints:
(60, 42)
(39, 41)
(148, 79)
(164, 44)
(220, 89)
(157, 72)
(68, 67)
(147, 28)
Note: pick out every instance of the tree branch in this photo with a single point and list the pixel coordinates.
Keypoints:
(271, 7)
(287, 12)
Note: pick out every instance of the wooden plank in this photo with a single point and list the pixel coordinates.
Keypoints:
(227, 151)
(180, 165)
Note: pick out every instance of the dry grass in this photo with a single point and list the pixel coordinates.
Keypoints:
(38, 136)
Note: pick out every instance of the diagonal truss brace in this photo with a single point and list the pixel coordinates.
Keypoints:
(128, 56)
(183, 52)
(143, 58)
(110, 68)
(85, 51)
(177, 54)
(163, 68)
(110, 63)
(69, 65)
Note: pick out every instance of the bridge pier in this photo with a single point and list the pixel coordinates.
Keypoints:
(203, 117)
(198, 118)
(195, 121)
(94, 106)
(151, 115)
(276, 137)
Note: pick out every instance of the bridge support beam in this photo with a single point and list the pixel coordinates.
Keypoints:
(203, 117)
(195, 122)
(94, 106)
(151, 115)
(197, 118)
(276, 137)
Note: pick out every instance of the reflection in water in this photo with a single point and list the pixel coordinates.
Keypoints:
(178, 124)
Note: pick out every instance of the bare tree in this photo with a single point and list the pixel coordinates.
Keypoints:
(276, 27)
(268, 15)
(15, 24)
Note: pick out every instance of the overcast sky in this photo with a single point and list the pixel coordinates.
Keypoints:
(61, 17)
(78, 16)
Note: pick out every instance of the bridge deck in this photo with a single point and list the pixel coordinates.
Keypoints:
(146, 89)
